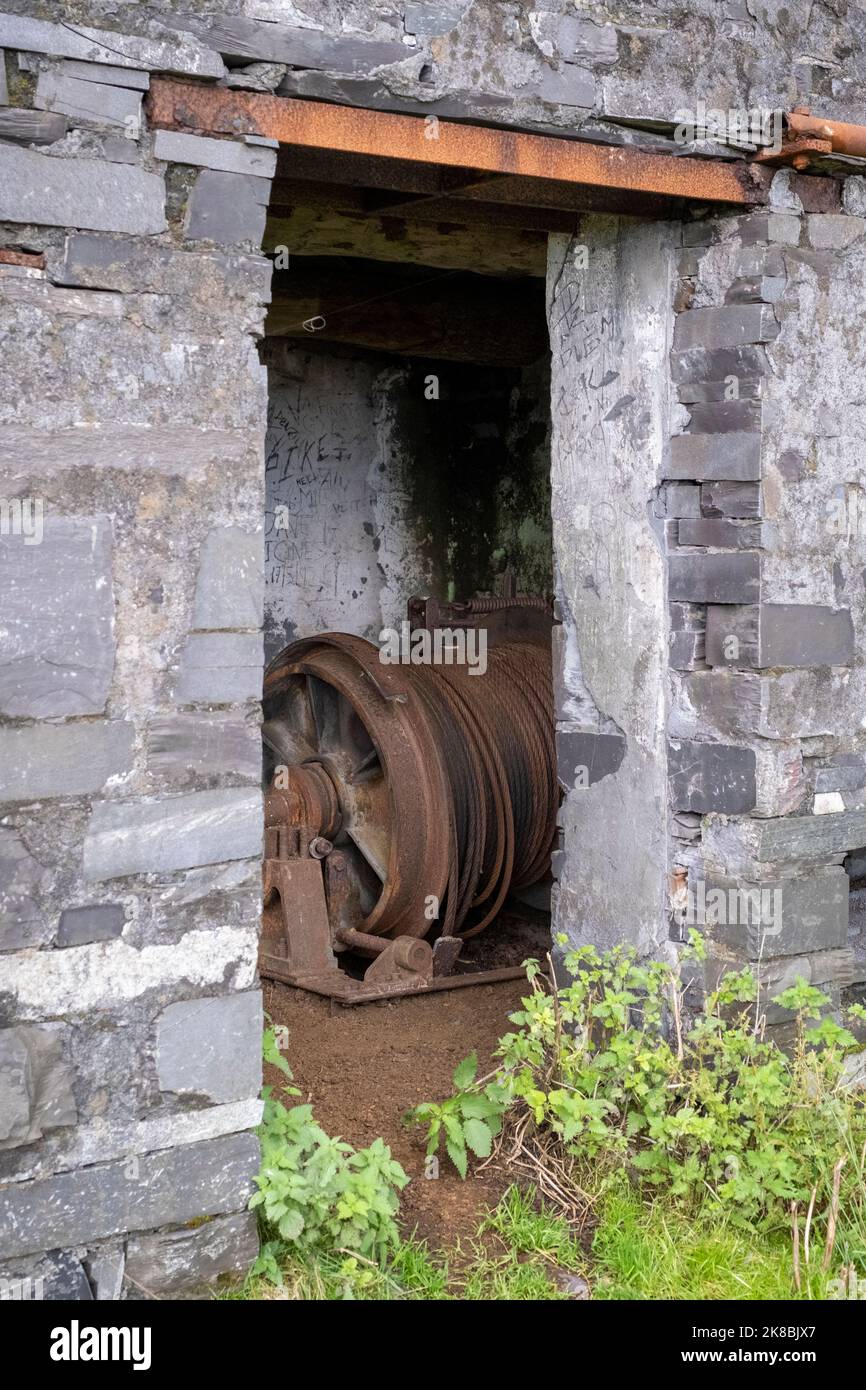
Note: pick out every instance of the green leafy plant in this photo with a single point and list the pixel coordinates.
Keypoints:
(316, 1193)
(608, 1073)
(468, 1121)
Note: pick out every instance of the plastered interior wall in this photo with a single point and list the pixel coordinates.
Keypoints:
(378, 490)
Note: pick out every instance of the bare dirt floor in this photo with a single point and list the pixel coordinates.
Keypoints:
(362, 1068)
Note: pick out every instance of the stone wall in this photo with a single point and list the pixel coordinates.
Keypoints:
(767, 577)
(133, 406)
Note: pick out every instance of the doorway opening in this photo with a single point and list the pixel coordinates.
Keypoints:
(408, 489)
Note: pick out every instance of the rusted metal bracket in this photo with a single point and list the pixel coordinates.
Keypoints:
(301, 927)
(353, 131)
(809, 137)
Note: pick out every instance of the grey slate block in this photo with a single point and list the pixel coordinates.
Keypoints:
(703, 392)
(431, 17)
(105, 1272)
(805, 914)
(236, 37)
(734, 457)
(182, 745)
(83, 193)
(211, 1048)
(88, 101)
(787, 838)
(54, 760)
(706, 777)
(227, 208)
(220, 668)
(589, 756)
(177, 147)
(31, 127)
(175, 55)
(723, 417)
(80, 925)
(738, 500)
(569, 86)
(24, 921)
(229, 591)
(732, 635)
(783, 634)
(57, 1276)
(35, 1087)
(583, 41)
(682, 499)
(714, 578)
(103, 72)
(170, 1262)
(719, 533)
(685, 650)
(728, 326)
(98, 261)
(701, 363)
(178, 832)
(58, 649)
(172, 1187)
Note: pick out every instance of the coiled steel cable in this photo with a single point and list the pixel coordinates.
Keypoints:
(497, 733)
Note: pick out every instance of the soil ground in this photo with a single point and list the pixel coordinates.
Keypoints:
(362, 1068)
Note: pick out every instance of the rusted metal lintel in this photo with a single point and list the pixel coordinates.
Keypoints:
(317, 125)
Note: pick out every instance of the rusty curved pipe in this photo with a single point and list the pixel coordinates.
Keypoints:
(842, 136)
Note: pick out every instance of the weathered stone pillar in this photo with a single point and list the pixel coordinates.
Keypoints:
(610, 295)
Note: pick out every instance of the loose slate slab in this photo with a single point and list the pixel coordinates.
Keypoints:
(102, 72)
(83, 193)
(58, 639)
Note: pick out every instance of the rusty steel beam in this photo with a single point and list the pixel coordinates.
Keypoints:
(316, 125)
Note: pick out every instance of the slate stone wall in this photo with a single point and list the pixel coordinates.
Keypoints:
(133, 405)
(767, 562)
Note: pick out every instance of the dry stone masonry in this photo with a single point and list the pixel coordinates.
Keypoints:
(709, 533)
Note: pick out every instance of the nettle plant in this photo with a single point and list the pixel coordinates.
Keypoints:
(316, 1194)
(608, 1072)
